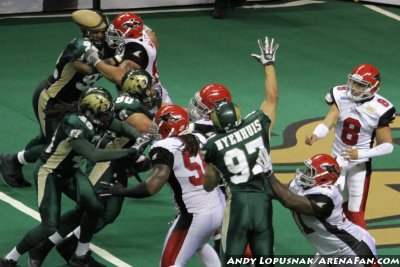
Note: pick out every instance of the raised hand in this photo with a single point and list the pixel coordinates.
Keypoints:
(268, 51)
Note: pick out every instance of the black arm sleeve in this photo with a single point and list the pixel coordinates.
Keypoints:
(160, 155)
(88, 151)
(137, 53)
(387, 117)
(322, 205)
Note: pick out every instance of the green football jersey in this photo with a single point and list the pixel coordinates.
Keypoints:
(59, 157)
(235, 153)
(125, 105)
(67, 84)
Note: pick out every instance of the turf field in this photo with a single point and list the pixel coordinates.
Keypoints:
(320, 43)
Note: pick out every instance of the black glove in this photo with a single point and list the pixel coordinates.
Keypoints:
(110, 189)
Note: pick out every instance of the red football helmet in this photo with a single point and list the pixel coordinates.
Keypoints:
(321, 169)
(124, 26)
(363, 82)
(202, 103)
(171, 120)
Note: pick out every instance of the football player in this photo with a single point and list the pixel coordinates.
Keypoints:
(59, 171)
(136, 47)
(359, 115)
(231, 154)
(317, 209)
(177, 162)
(136, 106)
(201, 105)
(199, 110)
(69, 79)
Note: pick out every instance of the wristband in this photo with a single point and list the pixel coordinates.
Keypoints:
(94, 65)
(321, 131)
(379, 150)
(117, 59)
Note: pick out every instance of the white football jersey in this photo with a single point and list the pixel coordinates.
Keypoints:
(204, 127)
(357, 121)
(331, 233)
(151, 50)
(187, 176)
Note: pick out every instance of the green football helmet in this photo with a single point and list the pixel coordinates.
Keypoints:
(97, 106)
(139, 85)
(226, 116)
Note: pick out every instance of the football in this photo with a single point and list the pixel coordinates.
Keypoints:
(89, 19)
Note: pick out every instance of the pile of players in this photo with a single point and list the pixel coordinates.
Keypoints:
(212, 158)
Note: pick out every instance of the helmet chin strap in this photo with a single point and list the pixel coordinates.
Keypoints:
(170, 133)
(126, 32)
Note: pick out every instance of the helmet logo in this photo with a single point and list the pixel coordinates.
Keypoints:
(97, 102)
(167, 117)
(331, 168)
(138, 82)
(131, 23)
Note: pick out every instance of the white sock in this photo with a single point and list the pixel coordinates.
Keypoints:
(208, 257)
(56, 238)
(13, 255)
(82, 249)
(21, 157)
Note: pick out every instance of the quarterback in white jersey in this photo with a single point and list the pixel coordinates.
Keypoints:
(316, 204)
(177, 161)
(359, 115)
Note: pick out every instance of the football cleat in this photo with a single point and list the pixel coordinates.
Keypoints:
(39, 253)
(84, 261)
(7, 263)
(12, 171)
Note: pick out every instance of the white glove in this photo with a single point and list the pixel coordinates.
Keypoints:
(91, 56)
(268, 51)
(142, 141)
(264, 161)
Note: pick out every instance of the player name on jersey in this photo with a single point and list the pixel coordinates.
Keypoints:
(239, 135)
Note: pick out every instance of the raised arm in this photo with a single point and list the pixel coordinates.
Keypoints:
(267, 57)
